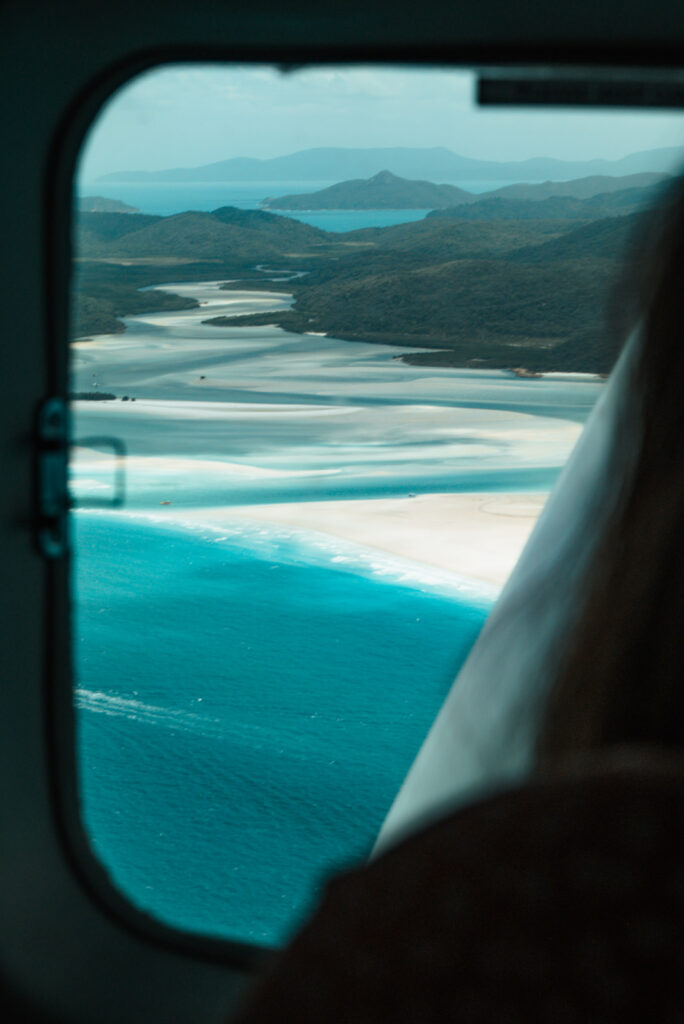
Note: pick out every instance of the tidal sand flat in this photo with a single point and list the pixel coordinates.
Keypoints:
(312, 536)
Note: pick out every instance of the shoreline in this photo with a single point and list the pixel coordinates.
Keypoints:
(418, 353)
(475, 535)
(216, 412)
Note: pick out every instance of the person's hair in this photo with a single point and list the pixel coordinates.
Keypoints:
(622, 678)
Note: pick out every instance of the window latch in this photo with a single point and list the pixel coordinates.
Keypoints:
(53, 494)
(54, 497)
(117, 498)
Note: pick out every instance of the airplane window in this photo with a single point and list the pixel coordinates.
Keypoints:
(334, 335)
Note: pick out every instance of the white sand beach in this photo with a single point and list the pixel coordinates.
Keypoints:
(326, 437)
(479, 536)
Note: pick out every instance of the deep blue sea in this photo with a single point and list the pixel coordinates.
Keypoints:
(166, 198)
(247, 709)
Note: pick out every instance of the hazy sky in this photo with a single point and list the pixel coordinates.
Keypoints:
(188, 115)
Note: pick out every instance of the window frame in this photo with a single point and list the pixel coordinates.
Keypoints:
(71, 946)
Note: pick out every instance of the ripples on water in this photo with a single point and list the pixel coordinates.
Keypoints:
(249, 698)
(250, 734)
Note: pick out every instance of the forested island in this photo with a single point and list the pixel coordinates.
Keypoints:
(384, 191)
(387, 191)
(524, 282)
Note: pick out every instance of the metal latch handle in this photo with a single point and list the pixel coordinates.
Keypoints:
(53, 494)
(54, 499)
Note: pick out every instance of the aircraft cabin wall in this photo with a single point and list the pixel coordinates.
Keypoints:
(65, 950)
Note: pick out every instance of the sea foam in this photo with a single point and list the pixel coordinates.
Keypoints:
(298, 547)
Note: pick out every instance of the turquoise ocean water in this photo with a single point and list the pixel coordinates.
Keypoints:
(247, 708)
(250, 697)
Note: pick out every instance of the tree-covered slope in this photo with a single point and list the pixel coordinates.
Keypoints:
(198, 234)
(581, 188)
(232, 236)
(103, 292)
(94, 231)
(437, 239)
(480, 312)
(117, 254)
(601, 239)
(488, 294)
(498, 208)
(494, 293)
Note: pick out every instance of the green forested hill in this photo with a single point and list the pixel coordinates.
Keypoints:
(437, 239)
(497, 208)
(285, 232)
(581, 188)
(494, 293)
(103, 292)
(230, 235)
(196, 234)
(107, 226)
(602, 239)
(480, 312)
(528, 293)
(119, 253)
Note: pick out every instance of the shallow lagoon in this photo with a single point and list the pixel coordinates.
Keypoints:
(250, 696)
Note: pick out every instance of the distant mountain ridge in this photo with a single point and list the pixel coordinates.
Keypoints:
(437, 163)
